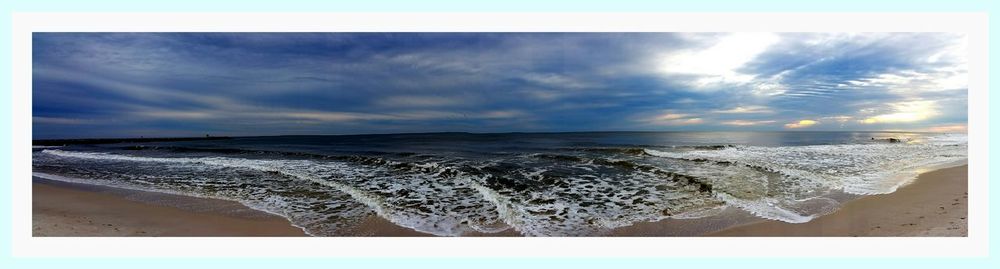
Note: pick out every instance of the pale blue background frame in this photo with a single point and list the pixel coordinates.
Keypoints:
(8, 7)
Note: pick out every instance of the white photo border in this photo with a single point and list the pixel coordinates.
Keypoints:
(973, 24)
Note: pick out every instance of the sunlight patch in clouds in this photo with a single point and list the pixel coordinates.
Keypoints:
(956, 128)
(801, 124)
(719, 63)
(674, 119)
(910, 111)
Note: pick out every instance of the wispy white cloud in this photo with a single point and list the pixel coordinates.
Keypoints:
(840, 119)
(909, 82)
(745, 110)
(58, 120)
(137, 91)
(558, 81)
(324, 116)
(538, 81)
(422, 101)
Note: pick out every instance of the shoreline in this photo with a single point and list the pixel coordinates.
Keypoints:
(933, 204)
(62, 209)
(68, 209)
(95, 141)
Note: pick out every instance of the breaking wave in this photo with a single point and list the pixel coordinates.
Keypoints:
(558, 192)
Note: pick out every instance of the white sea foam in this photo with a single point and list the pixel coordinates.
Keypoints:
(863, 169)
(804, 172)
(45, 147)
(337, 175)
(538, 195)
(584, 206)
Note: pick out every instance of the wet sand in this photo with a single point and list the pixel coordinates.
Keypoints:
(935, 204)
(64, 209)
(377, 226)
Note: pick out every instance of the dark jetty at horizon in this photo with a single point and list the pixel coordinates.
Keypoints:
(92, 141)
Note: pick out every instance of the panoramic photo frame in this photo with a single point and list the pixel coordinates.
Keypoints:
(632, 24)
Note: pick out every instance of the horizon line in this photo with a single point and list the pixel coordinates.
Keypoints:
(209, 136)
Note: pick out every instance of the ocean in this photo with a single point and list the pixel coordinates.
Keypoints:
(538, 184)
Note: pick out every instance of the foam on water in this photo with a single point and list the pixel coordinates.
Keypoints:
(402, 200)
(45, 147)
(563, 192)
(426, 201)
(305, 205)
(862, 169)
(796, 179)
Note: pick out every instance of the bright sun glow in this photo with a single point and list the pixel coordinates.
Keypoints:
(906, 112)
(718, 63)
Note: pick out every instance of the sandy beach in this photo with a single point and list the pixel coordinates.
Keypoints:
(60, 209)
(935, 204)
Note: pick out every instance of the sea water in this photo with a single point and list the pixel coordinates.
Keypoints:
(538, 184)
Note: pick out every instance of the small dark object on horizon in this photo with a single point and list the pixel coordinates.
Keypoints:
(92, 141)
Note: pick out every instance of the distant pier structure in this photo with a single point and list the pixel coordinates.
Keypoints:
(89, 141)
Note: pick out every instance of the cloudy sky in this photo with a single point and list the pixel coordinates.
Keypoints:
(181, 84)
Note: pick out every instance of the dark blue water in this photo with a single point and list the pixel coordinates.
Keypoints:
(545, 184)
(504, 142)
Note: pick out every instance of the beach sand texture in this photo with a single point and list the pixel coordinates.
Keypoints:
(61, 210)
(935, 204)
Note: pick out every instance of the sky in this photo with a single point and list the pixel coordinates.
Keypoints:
(244, 84)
